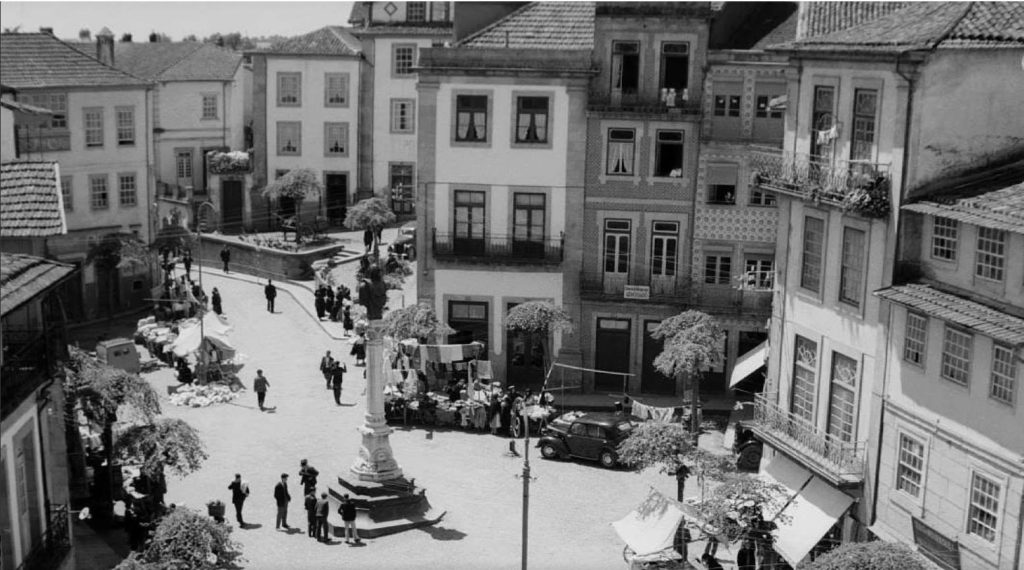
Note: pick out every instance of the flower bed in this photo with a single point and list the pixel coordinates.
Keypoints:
(202, 396)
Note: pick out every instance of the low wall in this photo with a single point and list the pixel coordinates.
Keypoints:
(264, 262)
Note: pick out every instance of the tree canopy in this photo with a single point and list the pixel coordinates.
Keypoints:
(668, 447)
(101, 390)
(870, 556)
(368, 214)
(298, 184)
(415, 321)
(167, 442)
(120, 250)
(186, 540)
(540, 317)
(693, 342)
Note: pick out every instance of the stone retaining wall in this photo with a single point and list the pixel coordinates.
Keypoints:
(264, 262)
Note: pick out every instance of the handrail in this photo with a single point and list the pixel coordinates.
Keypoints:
(816, 178)
(501, 246)
(841, 457)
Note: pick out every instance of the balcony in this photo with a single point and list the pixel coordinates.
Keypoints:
(674, 290)
(492, 248)
(862, 187)
(26, 367)
(53, 546)
(226, 163)
(38, 141)
(838, 462)
(671, 104)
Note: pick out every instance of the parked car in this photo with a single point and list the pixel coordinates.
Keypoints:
(593, 436)
(747, 447)
(119, 353)
(405, 243)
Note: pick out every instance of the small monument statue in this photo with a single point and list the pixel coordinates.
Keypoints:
(373, 294)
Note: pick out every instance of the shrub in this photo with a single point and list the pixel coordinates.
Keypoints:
(870, 556)
(186, 540)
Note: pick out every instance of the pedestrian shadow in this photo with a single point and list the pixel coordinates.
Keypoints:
(344, 405)
(293, 530)
(357, 544)
(250, 526)
(271, 410)
(444, 534)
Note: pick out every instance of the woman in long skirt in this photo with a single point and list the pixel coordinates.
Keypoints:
(215, 301)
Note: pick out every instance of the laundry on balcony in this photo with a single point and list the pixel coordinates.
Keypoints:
(646, 412)
(828, 135)
(778, 103)
(748, 364)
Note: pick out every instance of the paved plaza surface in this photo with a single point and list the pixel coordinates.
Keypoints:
(466, 474)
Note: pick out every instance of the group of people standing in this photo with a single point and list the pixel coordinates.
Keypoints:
(335, 306)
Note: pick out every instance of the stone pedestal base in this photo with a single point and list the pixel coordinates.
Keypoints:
(382, 507)
(376, 462)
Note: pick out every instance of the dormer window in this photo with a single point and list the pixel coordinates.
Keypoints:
(416, 12)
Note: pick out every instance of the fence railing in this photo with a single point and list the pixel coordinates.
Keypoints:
(54, 545)
(844, 460)
(840, 182)
(675, 290)
(493, 247)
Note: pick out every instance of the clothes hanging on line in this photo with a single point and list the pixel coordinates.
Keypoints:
(646, 412)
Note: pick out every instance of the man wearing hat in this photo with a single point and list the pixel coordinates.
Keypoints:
(282, 497)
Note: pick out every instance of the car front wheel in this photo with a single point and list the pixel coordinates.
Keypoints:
(548, 451)
(608, 459)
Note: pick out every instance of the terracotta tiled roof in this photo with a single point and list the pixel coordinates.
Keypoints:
(1001, 209)
(989, 24)
(30, 200)
(540, 25)
(24, 107)
(208, 63)
(329, 40)
(41, 60)
(821, 18)
(784, 32)
(358, 14)
(957, 310)
(22, 277)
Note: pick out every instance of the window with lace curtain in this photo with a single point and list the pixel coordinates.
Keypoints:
(842, 416)
(289, 138)
(531, 120)
(471, 118)
(621, 148)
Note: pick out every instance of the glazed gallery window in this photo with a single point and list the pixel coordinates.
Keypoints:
(675, 66)
(289, 89)
(126, 189)
(842, 416)
(1004, 374)
(851, 272)
(469, 319)
(760, 197)
(125, 125)
(402, 58)
(335, 89)
(625, 67)
(910, 466)
(621, 148)
(814, 242)
(67, 196)
(98, 195)
(56, 102)
(470, 221)
(668, 154)
(617, 235)
(403, 115)
(915, 338)
(727, 105)
(183, 163)
(664, 246)
(805, 370)
(528, 220)
(717, 269)
(991, 254)
(759, 273)
(531, 120)
(471, 118)
(865, 107)
(983, 512)
(956, 355)
(93, 126)
(289, 138)
(209, 107)
(721, 183)
(335, 139)
(945, 233)
(822, 122)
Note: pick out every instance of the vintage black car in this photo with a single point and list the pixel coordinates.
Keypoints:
(405, 242)
(594, 436)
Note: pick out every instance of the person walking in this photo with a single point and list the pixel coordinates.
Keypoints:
(368, 239)
(307, 476)
(239, 492)
(260, 385)
(347, 510)
(337, 377)
(326, 366)
(270, 292)
(225, 256)
(310, 504)
(346, 320)
(186, 260)
(282, 497)
(359, 350)
(215, 301)
(322, 508)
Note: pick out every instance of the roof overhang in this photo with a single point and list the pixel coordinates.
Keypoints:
(963, 312)
(32, 281)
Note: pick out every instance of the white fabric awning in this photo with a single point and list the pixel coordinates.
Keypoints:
(748, 364)
(807, 518)
(190, 334)
(787, 473)
(651, 527)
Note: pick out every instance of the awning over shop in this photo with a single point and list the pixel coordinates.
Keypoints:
(807, 518)
(650, 527)
(190, 334)
(788, 474)
(748, 364)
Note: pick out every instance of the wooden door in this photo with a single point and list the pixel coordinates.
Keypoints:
(611, 352)
(335, 196)
(231, 201)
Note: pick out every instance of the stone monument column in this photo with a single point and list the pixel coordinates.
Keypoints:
(376, 461)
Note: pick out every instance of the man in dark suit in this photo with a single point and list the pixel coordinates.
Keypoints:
(310, 504)
(322, 508)
(282, 497)
(270, 292)
(326, 366)
(307, 476)
(239, 492)
(337, 377)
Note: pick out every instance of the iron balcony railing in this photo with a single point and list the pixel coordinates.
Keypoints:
(850, 184)
(53, 546)
(490, 248)
(842, 461)
(635, 102)
(643, 286)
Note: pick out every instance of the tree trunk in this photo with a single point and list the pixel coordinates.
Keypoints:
(694, 407)
(298, 219)
(680, 483)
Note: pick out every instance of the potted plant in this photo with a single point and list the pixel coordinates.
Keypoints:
(216, 509)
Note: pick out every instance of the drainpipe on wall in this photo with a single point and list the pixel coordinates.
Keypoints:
(224, 116)
(1020, 533)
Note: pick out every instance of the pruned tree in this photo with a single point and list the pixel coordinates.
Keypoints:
(167, 443)
(415, 321)
(736, 505)
(299, 184)
(878, 555)
(370, 214)
(186, 539)
(669, 448)
(539, 319)
(693, 343)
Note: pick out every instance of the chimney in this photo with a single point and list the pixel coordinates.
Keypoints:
(46, 31)
(105, 46)
(84, 35)
(126, 38)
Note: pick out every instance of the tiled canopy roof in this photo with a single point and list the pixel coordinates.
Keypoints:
(177, 61)
(989, 24)
(41, 60)
(22, 277)
(1000, 209)
(329, 40)
(24, 107)
(957, 310)
(540, 25)
(30, 200)
(820, 18)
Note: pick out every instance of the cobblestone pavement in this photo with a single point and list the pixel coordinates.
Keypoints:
(466, 474)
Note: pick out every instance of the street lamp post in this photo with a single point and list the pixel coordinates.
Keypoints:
(202, 308)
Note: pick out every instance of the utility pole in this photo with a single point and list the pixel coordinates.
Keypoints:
(526, 482)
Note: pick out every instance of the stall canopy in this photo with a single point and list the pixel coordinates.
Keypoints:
(190, 334)
(441, 352)
(748, 364)
(813, 508)
(650, 527)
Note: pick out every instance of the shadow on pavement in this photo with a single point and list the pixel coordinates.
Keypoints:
(251, 526)
(440, 533)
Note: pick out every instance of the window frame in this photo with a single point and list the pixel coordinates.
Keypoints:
(864, 127)
(531, 209)
(282, 91)
(712, 191)
(821, 151)
(632, 173)
(663, 60)
(408, 12)
(996, 511)
(620, 256)
(944, 243)
(280, 151)
(620, 55)
(951, 332)
(125, 132)
(727, 105)
(96, 129)
(399, 69)
(663, 265)
(343, 90)
(518, 112)
(990, 254)
(205, 114)
(1003, 375)
(396, 105)
(94, 204)
(810, 399)
(820, 254)
(765, 112)
(343, 139)
(835, 412)
(121, 192)
(763, 279)
(472, 200)
(662, 146)
(855, 266)
(922, 351)
(178, 153)
(67, 192)
(902, 467)
(719, 271)
(461, 97)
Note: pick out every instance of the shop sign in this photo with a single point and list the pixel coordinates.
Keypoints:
(636, 292)
(937, 548)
